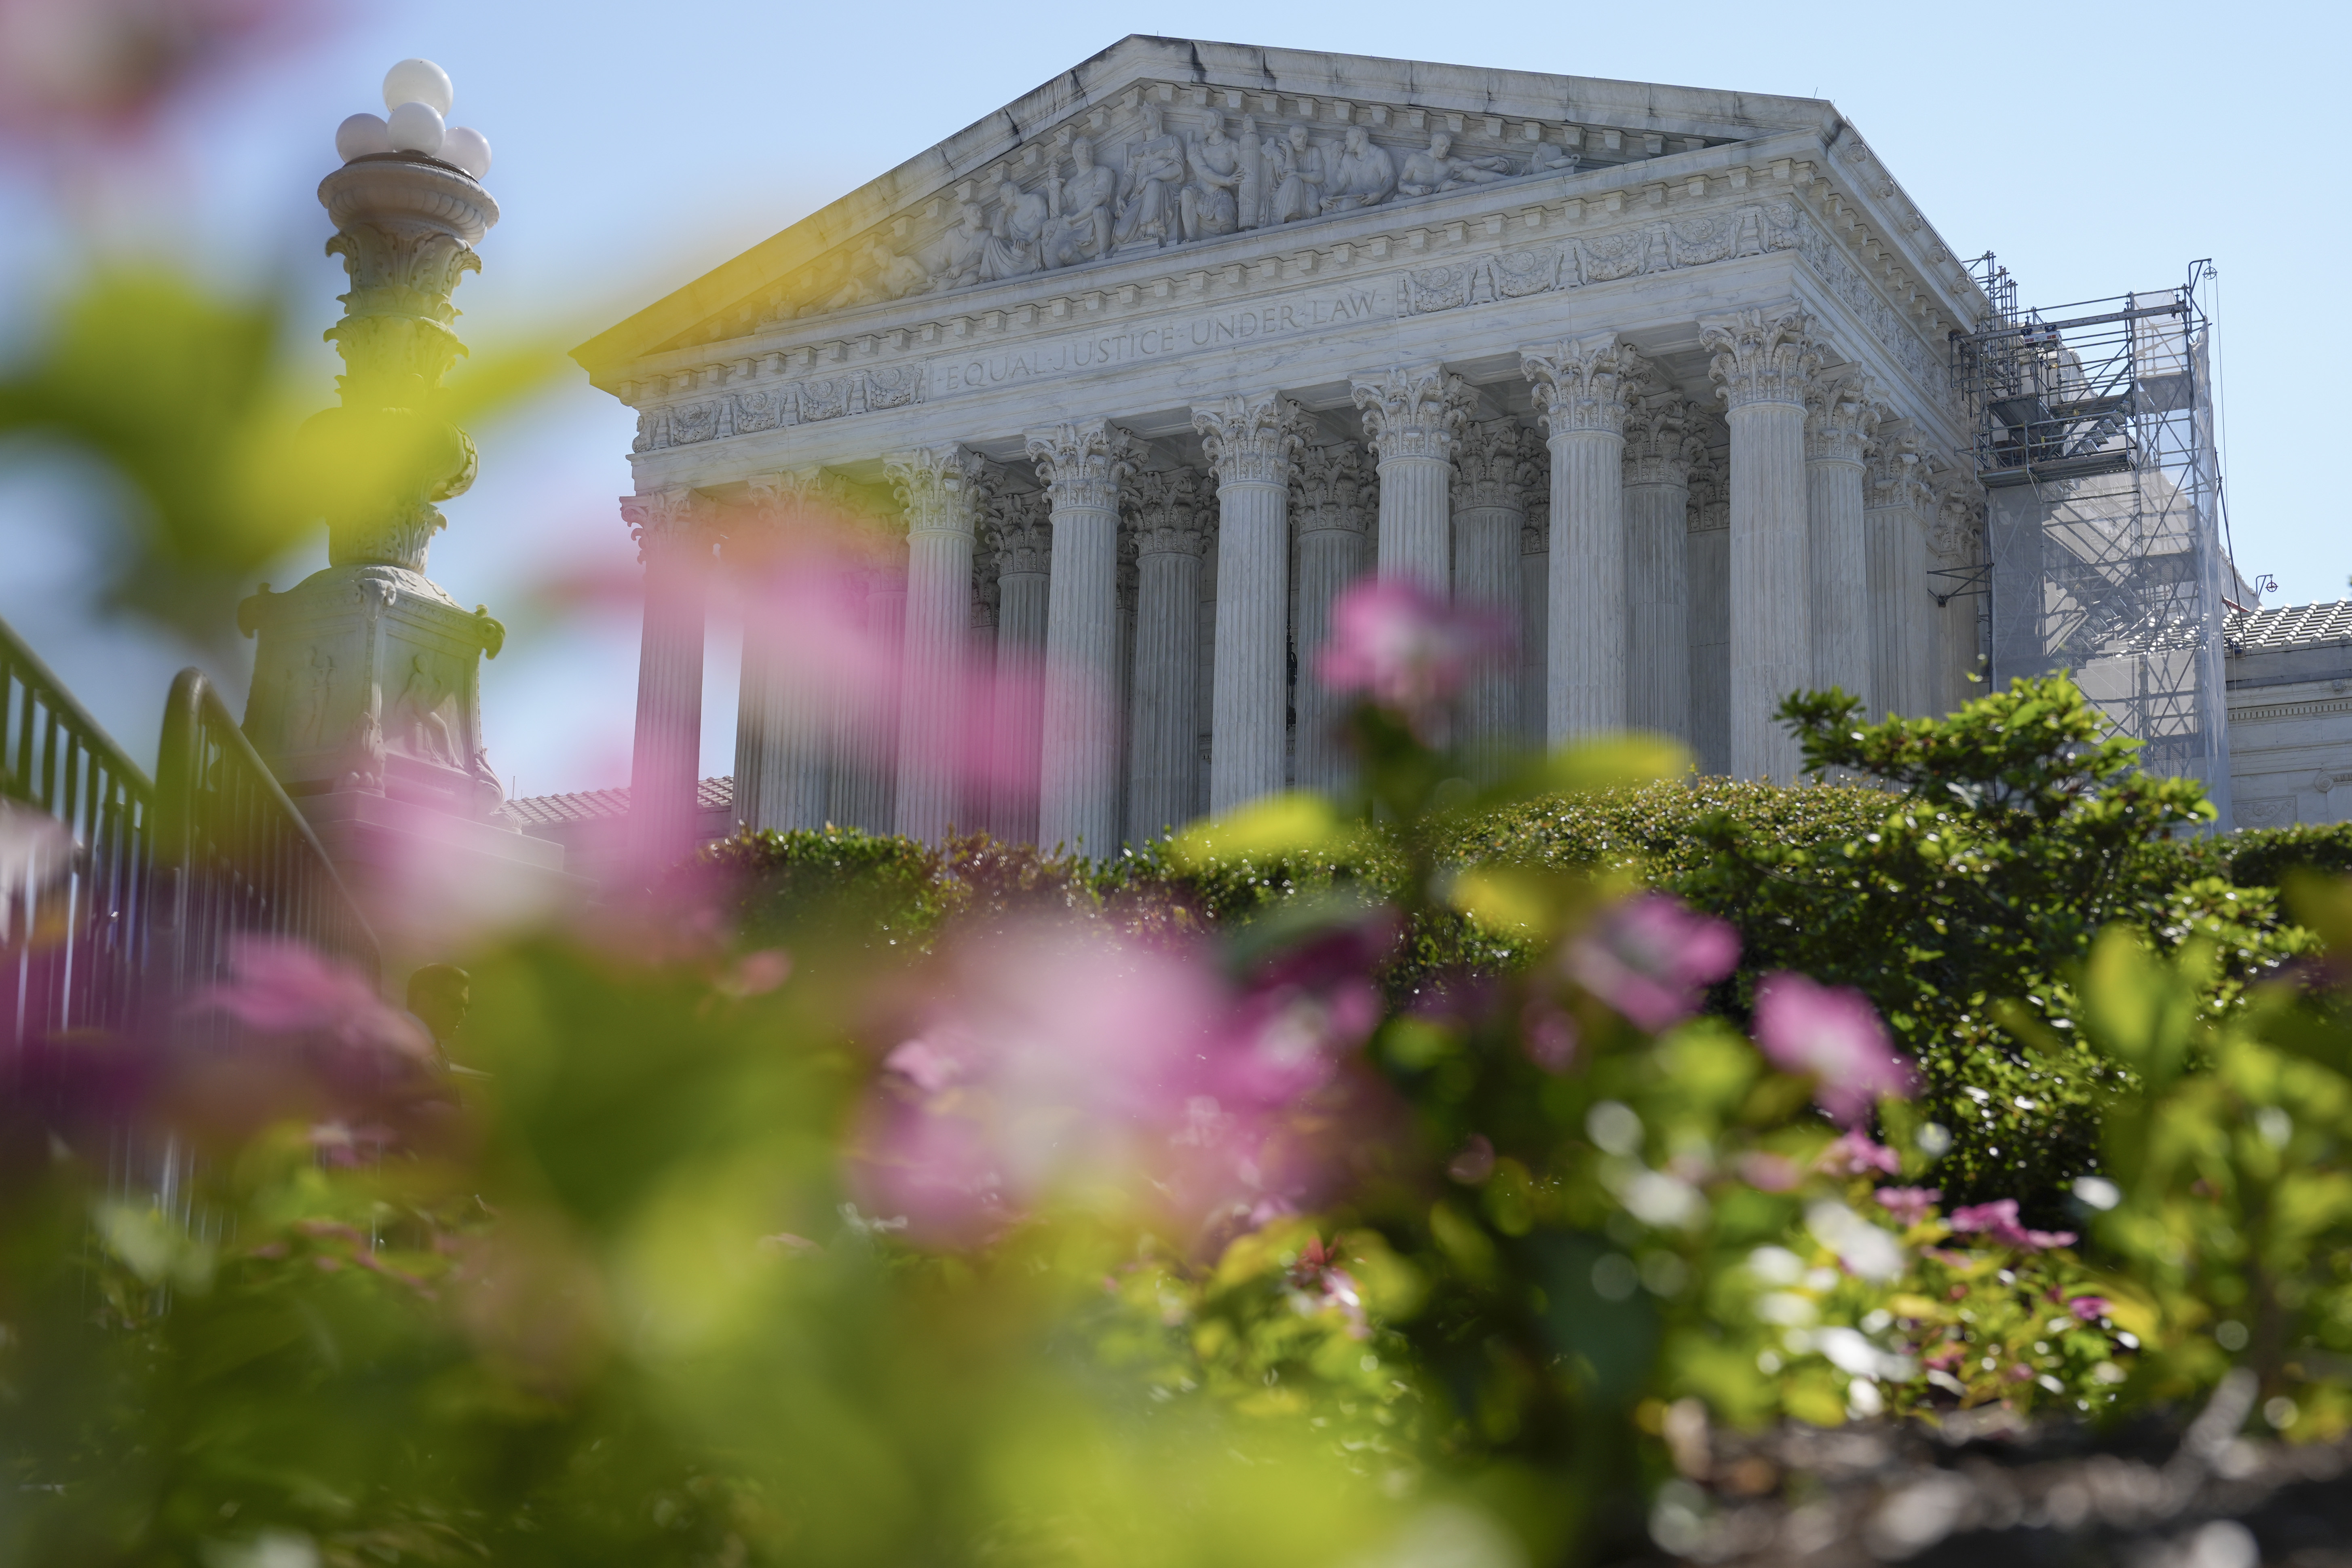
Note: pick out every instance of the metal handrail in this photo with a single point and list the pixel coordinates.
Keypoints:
(233, 854)
(141, 901)
(74, 930)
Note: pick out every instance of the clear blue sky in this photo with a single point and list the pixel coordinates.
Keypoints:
(2096, 149)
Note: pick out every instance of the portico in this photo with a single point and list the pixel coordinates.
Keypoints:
(1656, 374)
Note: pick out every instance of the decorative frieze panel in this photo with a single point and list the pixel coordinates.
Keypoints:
(767, 408)
(1663, 245)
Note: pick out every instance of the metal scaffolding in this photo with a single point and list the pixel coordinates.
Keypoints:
(2094, 436)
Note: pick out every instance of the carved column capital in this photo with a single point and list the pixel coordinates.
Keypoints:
(1956, 532)
(1894, 471)
(1585, 384)
(1021, 527)
(1251, 437)
(1170, 511)
(1494, 465)
(1842, 413)
(1761, 356)
(1661, 443)
(1082, 463)
(1413, 413)
(1335, 490)
(943, 489)
(677, 516)
(1710, 502)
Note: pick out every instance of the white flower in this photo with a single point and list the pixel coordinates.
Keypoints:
(1776, 1266)
(1867, 1252)
(2098, 1191)
(1786, 1308)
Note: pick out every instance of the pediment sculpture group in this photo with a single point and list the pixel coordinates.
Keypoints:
(1169, 189)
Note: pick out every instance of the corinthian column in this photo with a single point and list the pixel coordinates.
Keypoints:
(1493, 472)
(1660, 447)
(1163, 733)
(1842, 412)
(1895, 548)
(675, 546)
(865, 787)
(1077, 794)
(1708, 561)
(1023, 533)
(944, 489)
(1535, 591)
(1409, 420)
(1333, 503)
(1252, 441)
(1761, 363)
(1583, 387)
(782, 716)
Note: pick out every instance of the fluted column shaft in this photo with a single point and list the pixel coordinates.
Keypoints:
(1708, 561)
(1659, 447)
(941, 489)
(669, 749)
(1841, 413)
(864, 792)
(1164, 742)
(1334, 502)
(1895, 555)
(1583, 387)
(1252, 441)
(782, 716)
(1024, 539)
(1760, 366)
(1163, 722)
(1494, 467)
(1078, 773)
(1411, 420)
(1535, 618)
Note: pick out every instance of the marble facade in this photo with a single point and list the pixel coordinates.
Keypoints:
(1140, 372)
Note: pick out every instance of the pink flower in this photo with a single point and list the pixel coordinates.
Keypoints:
(1404, 648)
(1049, 1060)
(102, 65)
(1549, 1036)
(1853, 1154)
(1996, 1223)
(1833, 1034)
(1473, 1162)
(2088, 1308)
(1769, 1173)
(1910, 1204)
(280, 988)
(1652, 958)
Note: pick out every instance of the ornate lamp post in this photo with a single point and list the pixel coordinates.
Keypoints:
(366, 683)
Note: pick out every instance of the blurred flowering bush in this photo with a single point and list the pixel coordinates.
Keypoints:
(843, 1201)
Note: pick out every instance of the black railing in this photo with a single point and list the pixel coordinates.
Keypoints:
(116, 894)
(233, 854)
(76, 826)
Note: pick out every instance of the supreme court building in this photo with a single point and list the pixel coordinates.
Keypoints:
(1139, 372)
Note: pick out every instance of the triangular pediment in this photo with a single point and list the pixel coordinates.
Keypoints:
(1190, 142)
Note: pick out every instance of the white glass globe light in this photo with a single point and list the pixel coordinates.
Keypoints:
(416, 127)
(360, 135)
(469, 149)
(418, 81)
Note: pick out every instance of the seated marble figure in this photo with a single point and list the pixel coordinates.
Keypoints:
(1438, 170)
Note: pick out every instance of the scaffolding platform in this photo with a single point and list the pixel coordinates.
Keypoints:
(2092, 435)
